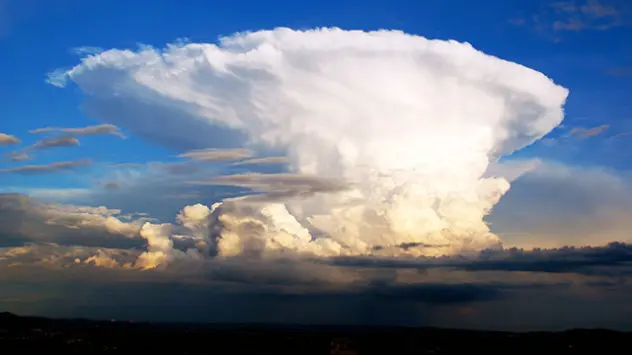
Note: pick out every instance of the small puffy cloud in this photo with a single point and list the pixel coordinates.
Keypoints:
(7, 139)
(47, 168)
(82, 131)
(210, 155)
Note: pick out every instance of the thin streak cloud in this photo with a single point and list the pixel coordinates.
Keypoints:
(47, 168)
(211, 155)
(82, 131)
(55, 142)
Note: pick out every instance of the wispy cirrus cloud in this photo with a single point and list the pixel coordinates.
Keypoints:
(622, 134)
(592, 14)
(620, 71)
(87, 50)
(574, 16)
(583, 132)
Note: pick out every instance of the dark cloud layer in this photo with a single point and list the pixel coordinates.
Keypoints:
(298, 291)
(614, 259)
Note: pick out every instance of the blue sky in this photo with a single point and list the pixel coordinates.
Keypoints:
(573, 187)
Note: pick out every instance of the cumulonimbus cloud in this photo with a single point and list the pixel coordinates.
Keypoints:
(412, 123)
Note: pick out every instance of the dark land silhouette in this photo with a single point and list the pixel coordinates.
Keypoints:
(30, 335)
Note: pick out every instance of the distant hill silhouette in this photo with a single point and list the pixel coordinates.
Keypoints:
(80, 336)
